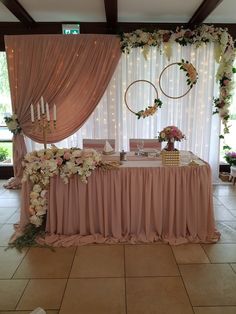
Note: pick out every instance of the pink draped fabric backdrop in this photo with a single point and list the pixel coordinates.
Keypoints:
(70, 71)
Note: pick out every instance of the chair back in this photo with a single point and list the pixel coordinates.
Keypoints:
(97, 144)
(148, 144)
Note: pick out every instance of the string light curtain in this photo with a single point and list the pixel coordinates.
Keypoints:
(192, 114)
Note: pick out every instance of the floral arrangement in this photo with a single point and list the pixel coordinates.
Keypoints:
(150, 110)
(191, 72)
(171, 134)
(224, 55)
(40, 165)
(230, 157)
(13, 124)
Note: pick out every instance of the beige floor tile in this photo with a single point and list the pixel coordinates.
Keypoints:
(189, 253)
(15, 218)
(6, 232)
(221, 213)
(234, 268)
(215, 310)
(221, 253)
(9, 202)
(216, 201)
(98, 261)
(150, 260)
(6, 213)
(10, 293)
(45, 293)
(94, 296)
(157, 295)
(210, 284)
(224, 190)
(233, 212)
(227, 230)
(228, 201)
(45, 263)
(27, 312)
(9, 261)
(11, 194)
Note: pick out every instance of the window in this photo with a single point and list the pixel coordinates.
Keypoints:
(5, 107)
(229, 139)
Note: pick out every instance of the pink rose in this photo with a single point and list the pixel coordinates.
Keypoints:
(59, 161)
(79, 161)
(67, 156)
(226, 82)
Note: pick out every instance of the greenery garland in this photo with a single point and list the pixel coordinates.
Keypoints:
(224, 55)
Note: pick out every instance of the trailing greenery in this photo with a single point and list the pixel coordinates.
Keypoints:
(28, 239)
(3, 153)
(8, 147)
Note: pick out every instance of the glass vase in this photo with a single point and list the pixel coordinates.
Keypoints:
(170, 146)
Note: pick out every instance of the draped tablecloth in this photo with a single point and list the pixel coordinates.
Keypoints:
(140, 201)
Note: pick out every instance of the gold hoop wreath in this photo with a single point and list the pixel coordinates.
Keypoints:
(191, 74)
(150, 110)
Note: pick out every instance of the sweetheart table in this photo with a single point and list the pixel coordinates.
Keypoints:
(140, 201)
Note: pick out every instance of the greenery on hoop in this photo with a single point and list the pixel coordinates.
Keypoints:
(150, 110)
(191, 74)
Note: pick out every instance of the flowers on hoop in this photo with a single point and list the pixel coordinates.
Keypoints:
(171, 134)
(191, 72)
(150, 110)
(13, 124)
(40, 166)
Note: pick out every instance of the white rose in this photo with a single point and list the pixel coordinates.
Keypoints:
(37, 188)
(35, 220)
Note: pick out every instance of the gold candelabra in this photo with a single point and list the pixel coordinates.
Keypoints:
(43, 123)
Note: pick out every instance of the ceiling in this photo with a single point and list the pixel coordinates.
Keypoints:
(111, 16)
(155, 11)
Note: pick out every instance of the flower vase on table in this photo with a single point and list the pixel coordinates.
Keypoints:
(170, 146)
(170, 155)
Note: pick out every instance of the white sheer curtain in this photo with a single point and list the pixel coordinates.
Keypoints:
(192, 113)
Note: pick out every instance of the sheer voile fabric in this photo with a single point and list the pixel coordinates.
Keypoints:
(70, 71)
(172, 204)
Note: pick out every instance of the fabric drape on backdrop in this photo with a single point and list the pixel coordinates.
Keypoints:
(192, 113)
(71, 71)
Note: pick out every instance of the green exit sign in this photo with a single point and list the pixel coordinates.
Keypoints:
(70, 29)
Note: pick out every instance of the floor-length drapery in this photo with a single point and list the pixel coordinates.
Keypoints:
(70, 71)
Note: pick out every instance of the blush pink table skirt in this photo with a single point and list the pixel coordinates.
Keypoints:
(147, 204)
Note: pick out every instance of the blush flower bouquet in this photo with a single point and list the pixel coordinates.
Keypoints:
(230, 157)
(170, 134)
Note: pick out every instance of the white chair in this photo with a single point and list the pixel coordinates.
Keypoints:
(148, 144)
(233, 174)
(98, 144)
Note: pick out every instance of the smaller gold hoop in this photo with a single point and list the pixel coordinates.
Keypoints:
(183, 66)
(150, 110)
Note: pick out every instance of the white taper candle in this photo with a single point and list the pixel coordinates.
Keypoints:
(47, 112)
(38, 110)
(32, 112)
(42, 105)
(54, 112)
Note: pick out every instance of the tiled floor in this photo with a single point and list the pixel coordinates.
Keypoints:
(117, 279)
